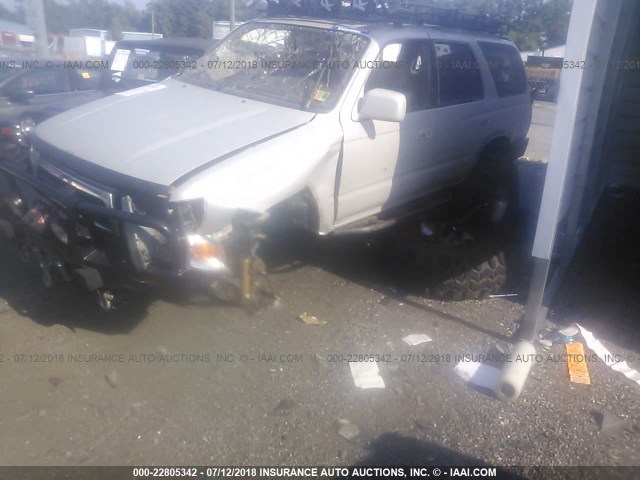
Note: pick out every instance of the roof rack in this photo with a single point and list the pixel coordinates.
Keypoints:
(395, 11)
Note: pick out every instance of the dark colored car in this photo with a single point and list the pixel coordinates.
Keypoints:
(134, 63)
(32, 90)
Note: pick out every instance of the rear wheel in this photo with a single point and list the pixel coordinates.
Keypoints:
(472, 270)
(464, 259)
(451, 264)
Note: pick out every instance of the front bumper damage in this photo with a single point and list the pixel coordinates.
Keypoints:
(111, 238)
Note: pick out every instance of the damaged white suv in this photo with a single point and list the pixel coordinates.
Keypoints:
(334, 127)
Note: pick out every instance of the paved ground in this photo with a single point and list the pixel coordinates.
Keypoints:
(541, 131)
(61, 407)
(163, 381)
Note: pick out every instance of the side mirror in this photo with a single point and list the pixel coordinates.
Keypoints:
(385, 105)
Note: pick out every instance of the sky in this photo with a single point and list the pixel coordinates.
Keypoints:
(140, 4)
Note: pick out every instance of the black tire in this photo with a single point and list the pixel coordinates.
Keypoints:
(450, 265)
(486, 201)
(471, 273)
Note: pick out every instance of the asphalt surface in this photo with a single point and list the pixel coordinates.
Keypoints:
(541, 131)
(283, 396)
(176, 381)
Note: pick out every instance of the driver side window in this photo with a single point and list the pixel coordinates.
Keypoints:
(404, 67)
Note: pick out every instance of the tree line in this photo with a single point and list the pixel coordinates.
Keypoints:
(532, 24)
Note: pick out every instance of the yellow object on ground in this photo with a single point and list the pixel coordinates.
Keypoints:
(578, 371)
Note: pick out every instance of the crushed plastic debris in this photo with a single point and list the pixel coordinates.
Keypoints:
(426, 230)
(545, 342)
(561, 336)
(576, 363)
(478, 374)
(611, 424)
(310, 319)
(347, 430)
(112, 379)
(416, 339)
(366, 375)
(285, 404)
(611, 360)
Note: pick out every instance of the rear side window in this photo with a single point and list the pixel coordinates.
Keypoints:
(506, 68)
(459, 79)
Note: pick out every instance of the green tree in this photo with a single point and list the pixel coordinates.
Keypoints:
(532, 24)
(102, 14)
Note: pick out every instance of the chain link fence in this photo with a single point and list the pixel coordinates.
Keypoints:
(544, 90)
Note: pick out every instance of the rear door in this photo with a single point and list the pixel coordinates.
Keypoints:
(462, 117)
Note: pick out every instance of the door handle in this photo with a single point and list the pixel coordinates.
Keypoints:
(484, 122)
(425, 134)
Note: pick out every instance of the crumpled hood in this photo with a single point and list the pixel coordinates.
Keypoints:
(161, 132)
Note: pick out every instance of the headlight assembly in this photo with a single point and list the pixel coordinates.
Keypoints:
(205, 254)
(190, 214)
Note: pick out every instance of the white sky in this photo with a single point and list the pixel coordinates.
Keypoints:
(140, 4)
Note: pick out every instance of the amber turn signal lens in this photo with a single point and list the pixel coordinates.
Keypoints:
(205, 251)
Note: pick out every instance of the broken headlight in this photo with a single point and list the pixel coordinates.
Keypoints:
(190, 214)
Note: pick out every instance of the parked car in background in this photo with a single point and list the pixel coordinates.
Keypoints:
(29, 95)
(28, 90)
(134, 63)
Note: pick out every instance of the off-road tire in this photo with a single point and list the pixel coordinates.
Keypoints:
(452, 266)
(462, 274)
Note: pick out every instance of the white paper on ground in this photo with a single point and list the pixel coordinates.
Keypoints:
(416, 339)
(478, 374)
(607, 357)
(366, 375)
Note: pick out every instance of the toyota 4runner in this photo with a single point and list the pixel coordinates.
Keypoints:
(332, 125)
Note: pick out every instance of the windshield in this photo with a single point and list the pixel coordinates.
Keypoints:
(290, 65)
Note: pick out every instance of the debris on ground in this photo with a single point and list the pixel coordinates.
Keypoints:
(425, 423)
(559, 336)
(578, 370)
(610, 424)
(478, 374)
(416, 339)
(611, 360)
(284, 405)
(503, 295)
(310, 319)
(55, 381)
(112, 379)
(426, 230)
(347, 430)
(366, 375)
(545, 342)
